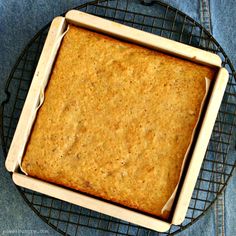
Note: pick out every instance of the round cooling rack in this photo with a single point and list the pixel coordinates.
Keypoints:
(219, 162)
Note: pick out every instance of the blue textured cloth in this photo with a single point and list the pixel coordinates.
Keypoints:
(20, 20)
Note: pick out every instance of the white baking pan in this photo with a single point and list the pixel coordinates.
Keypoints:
(35, 98)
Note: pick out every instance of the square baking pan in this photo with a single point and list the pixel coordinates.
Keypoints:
(35, 99)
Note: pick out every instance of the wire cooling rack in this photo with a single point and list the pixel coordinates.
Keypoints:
(161, 19)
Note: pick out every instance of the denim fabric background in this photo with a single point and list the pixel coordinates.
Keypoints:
(21, 19)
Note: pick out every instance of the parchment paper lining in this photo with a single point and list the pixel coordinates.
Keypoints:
(169, 203)
(40, 99)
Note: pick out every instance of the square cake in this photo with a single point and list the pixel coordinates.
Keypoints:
(116, 121)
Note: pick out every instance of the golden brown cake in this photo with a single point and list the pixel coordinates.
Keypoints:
(116, 121)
